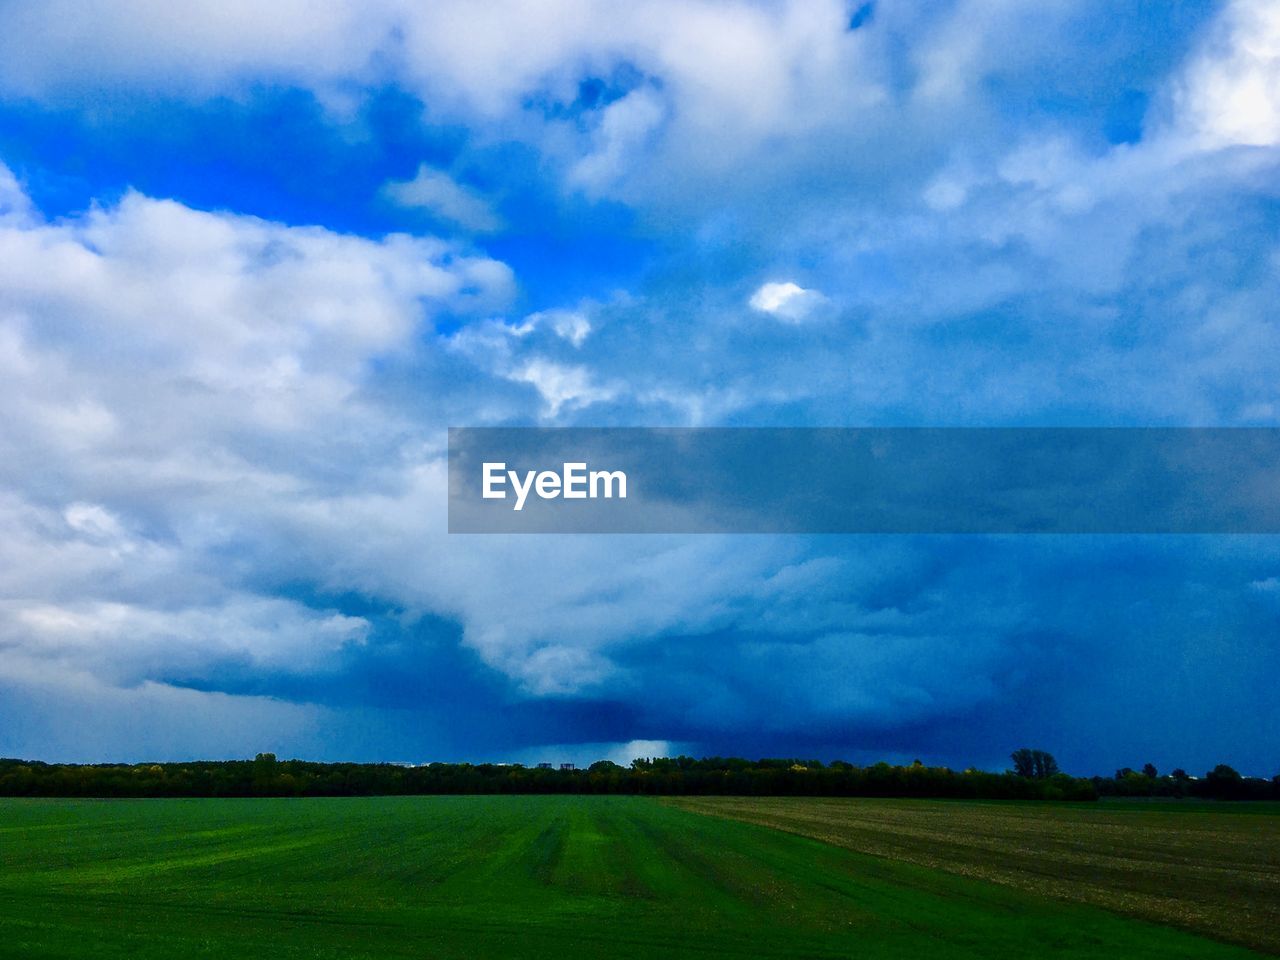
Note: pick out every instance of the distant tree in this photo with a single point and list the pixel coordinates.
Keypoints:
(264, 773)
(604, 766)
(1180, 774)
(1149, 770)
(1124, 773)
(1046, 766)
(1022, 762)
(1033, 764)
(1224, 782)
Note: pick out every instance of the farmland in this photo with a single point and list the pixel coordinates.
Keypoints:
(516, 876)
(1210, 868)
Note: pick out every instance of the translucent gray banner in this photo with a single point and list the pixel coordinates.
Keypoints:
(883, 480)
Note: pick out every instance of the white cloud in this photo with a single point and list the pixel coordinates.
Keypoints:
(234, 438)
(439, 194)
(562, 386)
(126, 642)
(725, 79)
(571, 325)
(171, 378)
(205, 49)
(724, 96)
(222, 330)
(623, 129)
(14, 205)
(786, 300)
(524, 352)
(94, 521)
(1230, 92)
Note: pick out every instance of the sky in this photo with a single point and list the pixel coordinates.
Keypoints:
(255, 259)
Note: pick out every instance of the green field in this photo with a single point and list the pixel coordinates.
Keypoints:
(1211, 868)
(479, 877)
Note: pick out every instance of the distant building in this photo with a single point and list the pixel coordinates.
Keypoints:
(544, 766)
(566, 766)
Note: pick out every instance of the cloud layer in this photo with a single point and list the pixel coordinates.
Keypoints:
(221, 476)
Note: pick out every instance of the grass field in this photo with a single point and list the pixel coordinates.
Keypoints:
(1205, 867)
(510, 877)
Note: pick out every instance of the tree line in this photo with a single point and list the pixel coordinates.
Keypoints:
(1035, 776)
(1220, 783)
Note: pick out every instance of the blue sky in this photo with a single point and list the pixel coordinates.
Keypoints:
(254, 262)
